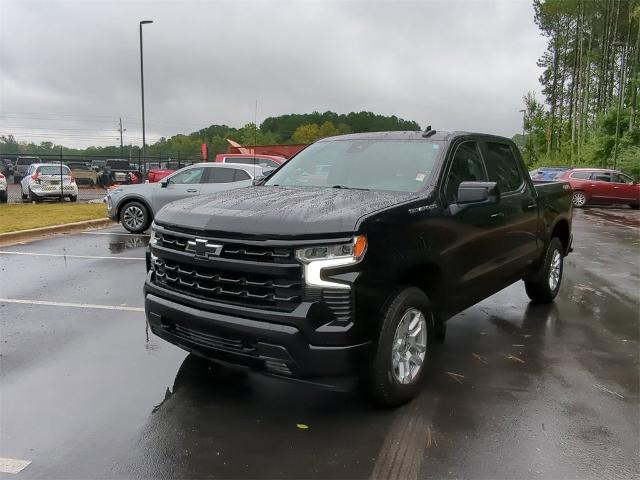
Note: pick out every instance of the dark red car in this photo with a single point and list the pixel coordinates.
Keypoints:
(602, 186)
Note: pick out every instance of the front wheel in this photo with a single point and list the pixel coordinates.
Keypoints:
(73, 198)
(135, 217)
(3, 196)
(397, 366)
(546, 285)
(579, 199)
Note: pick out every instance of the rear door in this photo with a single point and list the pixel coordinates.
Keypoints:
(600, 187)
(518, 209)
(183, 184)
(224, 178)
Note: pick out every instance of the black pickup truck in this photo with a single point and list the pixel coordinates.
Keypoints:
(348, 259)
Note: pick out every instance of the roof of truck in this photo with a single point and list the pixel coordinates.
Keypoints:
(439, 135)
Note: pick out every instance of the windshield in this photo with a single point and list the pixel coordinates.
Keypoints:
(53, 170)
(395, 165)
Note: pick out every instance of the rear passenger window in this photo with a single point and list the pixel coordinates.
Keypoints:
(466, 166)
(502, 167)
(601, 177)
(581, 175)
(221, 175)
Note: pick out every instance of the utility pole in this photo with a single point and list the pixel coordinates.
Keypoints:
(142, 22)
(121, 144)
(620, 95)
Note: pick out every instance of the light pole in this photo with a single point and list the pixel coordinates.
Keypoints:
(620, 94)
(142, 22)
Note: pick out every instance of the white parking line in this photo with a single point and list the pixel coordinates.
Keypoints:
(116, 233)
(12, 465)
(4, 252)
(73, 305)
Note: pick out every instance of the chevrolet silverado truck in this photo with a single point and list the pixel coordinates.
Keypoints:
(349, 258)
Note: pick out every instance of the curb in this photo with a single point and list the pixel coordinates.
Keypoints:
(22, 236)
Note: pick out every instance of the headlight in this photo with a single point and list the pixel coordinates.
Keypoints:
(317, 258)
(153, 238)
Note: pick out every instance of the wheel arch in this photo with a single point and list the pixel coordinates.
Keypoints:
(428, 277)
(561, 230)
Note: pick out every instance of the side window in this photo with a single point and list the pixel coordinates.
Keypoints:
(620, 178)
(502, 167)
(241, 175)
(221, 175)
(581, 175)
(466, 166)
(187, 177)
(601, 177)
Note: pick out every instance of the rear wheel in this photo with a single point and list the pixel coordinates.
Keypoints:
(73, 198)
(397, 366)
(635, 206)
(135, 217)
(579, 199)
(3, 196)
(546, 285)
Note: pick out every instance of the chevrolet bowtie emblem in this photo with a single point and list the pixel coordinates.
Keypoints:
(203, 249)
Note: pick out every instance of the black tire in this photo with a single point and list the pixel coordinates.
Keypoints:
(635, 206)
(33, 197)
(541, 289)
(23, 195)
(381, 380)
(3, 196)
(135, 211)
(73, 198)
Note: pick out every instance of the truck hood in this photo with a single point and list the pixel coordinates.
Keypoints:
(277, 211)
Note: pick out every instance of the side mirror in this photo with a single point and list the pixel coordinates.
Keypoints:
(478, 192)
(259, 179)
(164, 183)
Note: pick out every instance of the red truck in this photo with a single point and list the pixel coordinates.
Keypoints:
(602, 186)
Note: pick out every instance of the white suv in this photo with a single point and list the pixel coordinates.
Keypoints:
(3, 188)
(43, 180)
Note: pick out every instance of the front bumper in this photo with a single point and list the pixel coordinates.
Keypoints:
(281, 349)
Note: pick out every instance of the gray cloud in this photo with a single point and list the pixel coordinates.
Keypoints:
(453, 64)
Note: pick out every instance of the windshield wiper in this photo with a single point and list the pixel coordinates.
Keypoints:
(349, 188)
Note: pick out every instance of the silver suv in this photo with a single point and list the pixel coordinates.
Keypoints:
(22, 165)
(135, 205)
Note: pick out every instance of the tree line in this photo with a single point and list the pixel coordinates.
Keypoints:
(283, 129)
(590, 83)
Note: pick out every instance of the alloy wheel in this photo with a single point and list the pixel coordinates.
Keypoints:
(555, 270)
(579, 199)
(133, 217)
(409, 346)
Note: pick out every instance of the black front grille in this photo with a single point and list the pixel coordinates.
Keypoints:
(233, 251)
(231, 287)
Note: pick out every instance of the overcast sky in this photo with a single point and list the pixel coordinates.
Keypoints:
(69, 69)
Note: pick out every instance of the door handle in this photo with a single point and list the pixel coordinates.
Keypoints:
(497, 215)
(192, 190)
(616, 188)
(532, 205)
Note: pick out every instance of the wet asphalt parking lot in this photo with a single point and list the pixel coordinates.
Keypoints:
(516, 391)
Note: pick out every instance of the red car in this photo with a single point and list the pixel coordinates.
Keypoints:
(265, 161)
(157, 174)
(602, 186)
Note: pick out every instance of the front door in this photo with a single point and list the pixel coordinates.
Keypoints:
(519, 210)
(182, 184)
